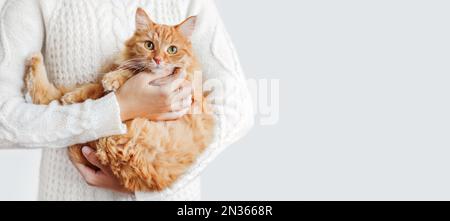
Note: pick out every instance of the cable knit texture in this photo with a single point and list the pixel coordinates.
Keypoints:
(77, 37)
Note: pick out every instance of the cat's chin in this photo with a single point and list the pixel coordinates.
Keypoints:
(161, 71)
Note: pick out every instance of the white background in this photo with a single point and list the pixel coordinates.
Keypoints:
(364, 104)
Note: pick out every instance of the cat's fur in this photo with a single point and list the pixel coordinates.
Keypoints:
(152, 155)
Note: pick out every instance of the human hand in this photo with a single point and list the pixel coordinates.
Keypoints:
(101, 177)
(150, 96)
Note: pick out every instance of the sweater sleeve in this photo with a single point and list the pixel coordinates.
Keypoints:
(226, 86)
(24, 125)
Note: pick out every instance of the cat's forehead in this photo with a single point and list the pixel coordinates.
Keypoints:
(161, 33)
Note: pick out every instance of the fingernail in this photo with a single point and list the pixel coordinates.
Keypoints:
(86, 150)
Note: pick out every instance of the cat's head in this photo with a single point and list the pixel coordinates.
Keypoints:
(160, 48)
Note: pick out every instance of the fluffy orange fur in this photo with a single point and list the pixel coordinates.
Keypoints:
(152, 155)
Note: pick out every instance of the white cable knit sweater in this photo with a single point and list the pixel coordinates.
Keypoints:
(77, 37)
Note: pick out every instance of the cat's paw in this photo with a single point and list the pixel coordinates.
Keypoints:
(35, 60)
(34, 66)
(69, 98)
(110, 84)
(29, 79)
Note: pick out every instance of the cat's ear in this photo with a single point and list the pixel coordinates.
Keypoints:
(188, 26)
(143, 21)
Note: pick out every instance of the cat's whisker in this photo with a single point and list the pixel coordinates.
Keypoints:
(133, 64)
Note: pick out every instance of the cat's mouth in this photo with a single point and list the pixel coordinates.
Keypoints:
(159, 67)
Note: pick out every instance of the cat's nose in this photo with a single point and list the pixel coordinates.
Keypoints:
(157, 60)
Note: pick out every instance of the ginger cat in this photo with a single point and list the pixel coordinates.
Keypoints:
(152, 155)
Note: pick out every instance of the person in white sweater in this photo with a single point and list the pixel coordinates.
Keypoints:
(76, 37)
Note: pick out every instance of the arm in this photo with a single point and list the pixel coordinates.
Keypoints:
(111, 82)
(230, 99)
(24, 125)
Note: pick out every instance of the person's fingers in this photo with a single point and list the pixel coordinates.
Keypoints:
(182, 104)
(91, 157)
(143, 77)
(89, 174)
(149, 78)
(162, 81)
(173, 82)
(175, 86)
(171, 116)
(168, 78)
(183, 92)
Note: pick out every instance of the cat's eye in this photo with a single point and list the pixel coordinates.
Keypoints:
(172, 50)
(149, 45)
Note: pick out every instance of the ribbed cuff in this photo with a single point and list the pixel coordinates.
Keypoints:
(107, 117)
